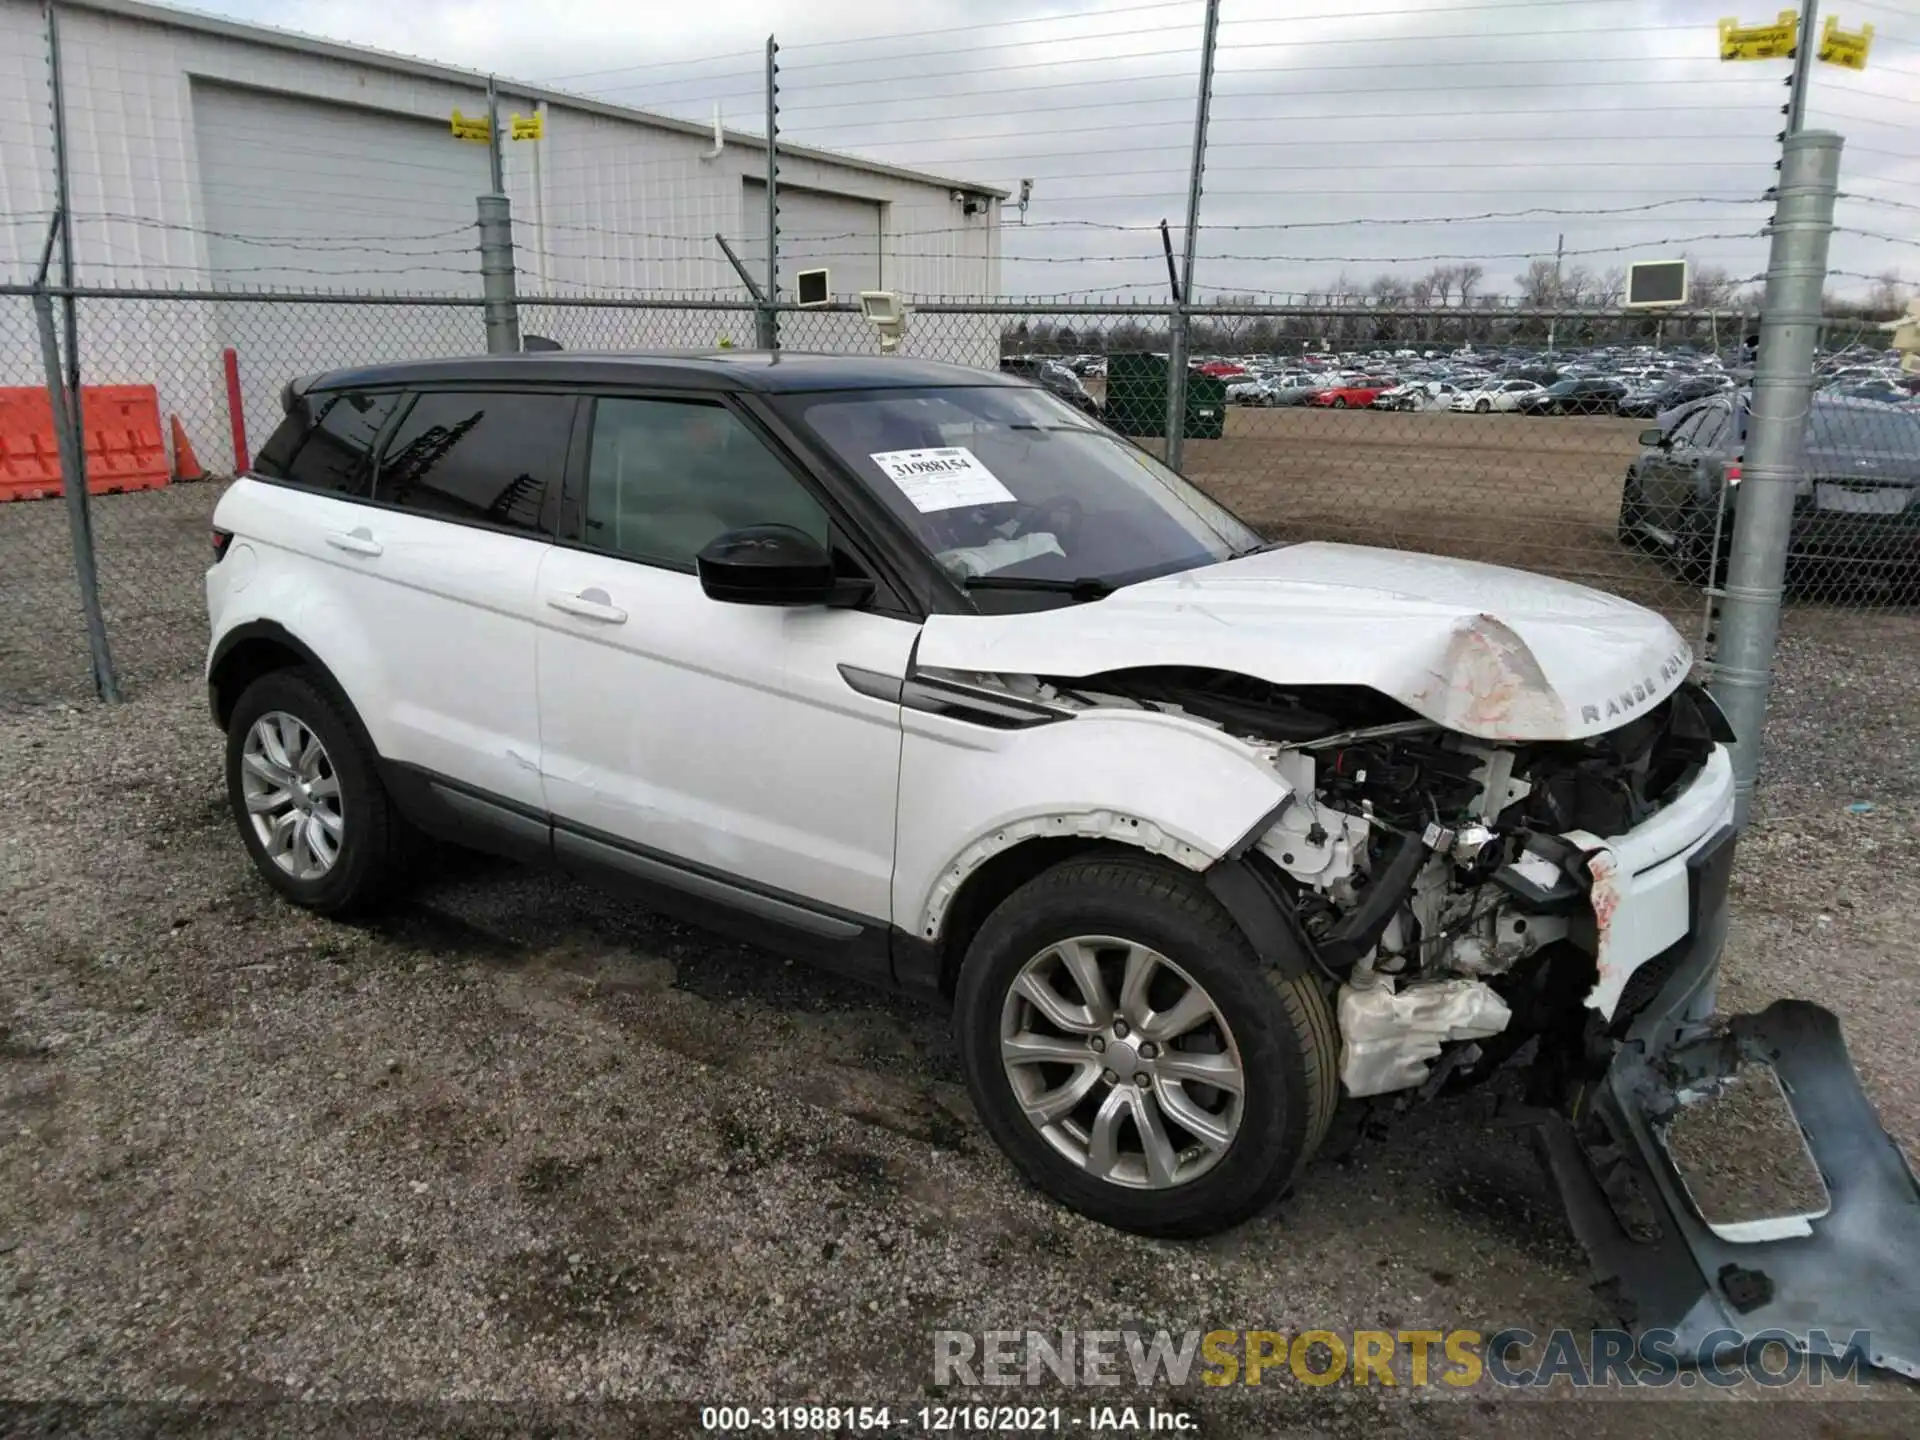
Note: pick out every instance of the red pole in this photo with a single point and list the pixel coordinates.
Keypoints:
(236, 412)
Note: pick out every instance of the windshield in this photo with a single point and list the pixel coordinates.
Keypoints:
(1834, 427)
(1006, 481)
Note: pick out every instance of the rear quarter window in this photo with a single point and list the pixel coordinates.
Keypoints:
(327, 440)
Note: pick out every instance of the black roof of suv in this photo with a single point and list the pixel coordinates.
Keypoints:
(720, 370)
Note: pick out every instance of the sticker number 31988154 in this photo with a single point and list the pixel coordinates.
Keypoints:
(942, 479)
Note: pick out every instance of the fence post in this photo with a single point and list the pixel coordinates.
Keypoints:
(769, 315)
(1183, 300)
(73, 488)
(1775, 460)
(501, 311)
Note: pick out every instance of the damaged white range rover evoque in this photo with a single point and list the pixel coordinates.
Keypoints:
(922, 673)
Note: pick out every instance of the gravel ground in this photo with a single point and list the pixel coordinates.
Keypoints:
(520, 1141)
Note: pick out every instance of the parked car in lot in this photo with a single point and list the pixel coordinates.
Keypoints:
(917, 671)
(1055, 377)
(1577, 396)
(1417, 395)
(1656, 399)
(1858, 508)
(1288, 388)
(1496, 395)
(1350, 394)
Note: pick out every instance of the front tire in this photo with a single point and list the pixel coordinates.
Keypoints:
(307, 798)
(1633, 514)
(1483, 407)
(1133, 1057)
(1699, 561)
(1340, 403)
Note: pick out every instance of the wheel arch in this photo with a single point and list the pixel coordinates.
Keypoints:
(259, 648)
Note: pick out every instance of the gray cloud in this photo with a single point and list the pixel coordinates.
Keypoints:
(1350, 137)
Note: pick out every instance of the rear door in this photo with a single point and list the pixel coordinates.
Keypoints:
(450, 551)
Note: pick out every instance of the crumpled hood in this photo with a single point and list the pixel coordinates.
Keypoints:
(1494, 653)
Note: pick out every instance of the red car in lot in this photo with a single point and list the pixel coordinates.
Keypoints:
(1356, 396)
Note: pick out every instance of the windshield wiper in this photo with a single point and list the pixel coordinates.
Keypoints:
(1261, 549)
(1087, 587)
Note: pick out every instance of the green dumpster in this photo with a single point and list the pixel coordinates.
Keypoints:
(1137, 398)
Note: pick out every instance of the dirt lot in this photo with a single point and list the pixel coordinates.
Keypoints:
(520, 1141)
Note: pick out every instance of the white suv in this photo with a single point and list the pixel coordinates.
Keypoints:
(923, 674)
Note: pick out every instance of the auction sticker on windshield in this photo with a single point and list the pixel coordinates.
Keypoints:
(943, 479)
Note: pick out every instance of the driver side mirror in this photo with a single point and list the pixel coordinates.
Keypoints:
(1655, 439)
(773, 565)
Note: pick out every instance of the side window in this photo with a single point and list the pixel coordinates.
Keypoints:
(327, 442)
(667, 476)
(1713, 428)
(477, 455)
(1687, 431)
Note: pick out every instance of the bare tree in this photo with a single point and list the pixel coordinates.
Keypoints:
(1537, 284)
(1469, 276)
(1889, 295)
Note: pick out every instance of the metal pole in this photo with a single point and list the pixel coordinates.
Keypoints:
(69, 421)
(63, 205)
(1775, 460)
(1177, 341)
(496, 163)
(501, 310)
(1805, 45)
(73, 487)
(770, 318)
(762, 314)
(1559, 253)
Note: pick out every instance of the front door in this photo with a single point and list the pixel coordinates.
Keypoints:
(1666, 474)
(718, 737)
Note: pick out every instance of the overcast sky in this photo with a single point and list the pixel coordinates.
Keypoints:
(1330, 118)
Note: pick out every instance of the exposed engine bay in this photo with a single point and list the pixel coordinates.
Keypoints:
(1441, 881)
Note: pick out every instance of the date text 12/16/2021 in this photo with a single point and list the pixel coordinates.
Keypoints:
(947, 1419)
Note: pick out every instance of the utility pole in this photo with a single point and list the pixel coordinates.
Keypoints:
(1182, 301)
(1775, 459)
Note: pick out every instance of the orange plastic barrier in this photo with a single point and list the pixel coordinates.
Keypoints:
(125, 448)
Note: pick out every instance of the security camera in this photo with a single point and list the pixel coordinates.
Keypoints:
(959, 197)
(882, 310)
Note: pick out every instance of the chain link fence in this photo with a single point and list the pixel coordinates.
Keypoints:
(1510, 436)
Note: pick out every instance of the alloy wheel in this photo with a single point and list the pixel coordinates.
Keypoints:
(292, 795)
(1122, 1061)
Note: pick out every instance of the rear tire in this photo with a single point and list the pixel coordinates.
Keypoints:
(307, 798)
(1277, 1031)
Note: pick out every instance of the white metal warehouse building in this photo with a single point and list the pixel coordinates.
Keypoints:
(205, 153)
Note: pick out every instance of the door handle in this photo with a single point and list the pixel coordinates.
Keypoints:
(590, 604)
(358, 541)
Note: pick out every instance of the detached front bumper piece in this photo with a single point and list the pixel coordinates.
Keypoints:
(1814, 1280)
